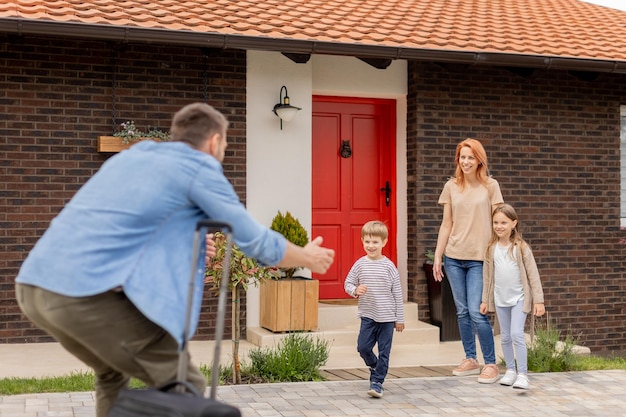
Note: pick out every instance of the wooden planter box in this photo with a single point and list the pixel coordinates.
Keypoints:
(289, 304)
(114, 143)
(111, 144)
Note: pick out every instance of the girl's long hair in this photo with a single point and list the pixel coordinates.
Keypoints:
(516, 237)
(482, 172)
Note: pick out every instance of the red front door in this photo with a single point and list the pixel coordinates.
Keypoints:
(353, 179)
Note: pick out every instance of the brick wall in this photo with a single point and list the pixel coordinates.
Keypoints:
(56, 98)
(553, 144)
(552, 141)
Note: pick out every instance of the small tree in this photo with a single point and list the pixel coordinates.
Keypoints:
(290, 227)
(243, 272)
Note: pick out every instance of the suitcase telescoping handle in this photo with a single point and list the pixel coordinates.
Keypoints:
(207, 226)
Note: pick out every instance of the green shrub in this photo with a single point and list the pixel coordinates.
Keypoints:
(227, 374)
(549, 353)
(297, 358)
(290, 227)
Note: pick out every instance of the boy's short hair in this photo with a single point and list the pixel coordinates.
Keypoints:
(375, 228)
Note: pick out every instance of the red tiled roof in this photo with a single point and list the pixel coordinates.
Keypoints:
(553, 28)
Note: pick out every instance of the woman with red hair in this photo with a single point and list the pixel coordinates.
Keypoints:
(468, 200)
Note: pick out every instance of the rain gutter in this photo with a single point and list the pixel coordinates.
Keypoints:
(222, 41)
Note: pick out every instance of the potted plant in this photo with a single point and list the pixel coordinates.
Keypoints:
(290, 227)
(289, 303)
(127, 135)
(243, 272)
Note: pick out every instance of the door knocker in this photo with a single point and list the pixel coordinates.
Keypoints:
(345, 151)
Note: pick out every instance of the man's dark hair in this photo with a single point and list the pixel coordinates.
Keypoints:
(197, 122)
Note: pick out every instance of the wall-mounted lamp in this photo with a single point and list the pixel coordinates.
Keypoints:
(283, 109)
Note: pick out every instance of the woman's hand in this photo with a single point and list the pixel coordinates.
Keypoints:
(437, 270)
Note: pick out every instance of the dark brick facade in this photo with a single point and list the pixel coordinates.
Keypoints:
(56, 98)
(552, 141)
(553, 144)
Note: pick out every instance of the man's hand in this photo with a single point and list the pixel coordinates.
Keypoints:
(210, 248)
(320, 258)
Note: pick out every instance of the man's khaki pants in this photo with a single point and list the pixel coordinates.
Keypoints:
(110, 335)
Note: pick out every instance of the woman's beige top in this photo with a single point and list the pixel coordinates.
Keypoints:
(471, 218)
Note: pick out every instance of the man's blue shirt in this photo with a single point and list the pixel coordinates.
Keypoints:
(131, 226)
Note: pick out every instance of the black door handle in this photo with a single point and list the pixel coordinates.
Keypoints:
(387, 190)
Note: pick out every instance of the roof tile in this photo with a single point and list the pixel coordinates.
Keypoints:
(541, 27)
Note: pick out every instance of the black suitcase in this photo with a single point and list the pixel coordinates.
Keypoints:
(179, 398)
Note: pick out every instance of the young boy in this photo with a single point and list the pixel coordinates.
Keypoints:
(375, 281)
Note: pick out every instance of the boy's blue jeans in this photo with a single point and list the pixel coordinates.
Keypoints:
(372, 332)
(466, 282)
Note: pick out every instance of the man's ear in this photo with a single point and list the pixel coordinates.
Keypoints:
(213, 143)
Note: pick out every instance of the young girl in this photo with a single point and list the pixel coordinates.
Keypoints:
(511, 287)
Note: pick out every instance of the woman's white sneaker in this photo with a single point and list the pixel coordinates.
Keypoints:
(521, 382)
(509, 378)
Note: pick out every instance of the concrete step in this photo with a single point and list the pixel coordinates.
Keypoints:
(339, 325)
(339, 316)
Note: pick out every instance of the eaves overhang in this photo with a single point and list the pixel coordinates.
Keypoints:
(217, 40)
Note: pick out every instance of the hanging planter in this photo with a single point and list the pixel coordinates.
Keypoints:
(127, 136)
(111, 144)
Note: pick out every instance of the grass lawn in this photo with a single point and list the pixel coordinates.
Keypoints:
(80, 382)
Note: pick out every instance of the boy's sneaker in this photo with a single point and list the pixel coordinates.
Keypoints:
(509, 378)
(489, 374)
(376, 390)
(521, 382)
(467, 367)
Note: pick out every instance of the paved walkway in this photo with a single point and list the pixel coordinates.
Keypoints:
(418, 384)
(597, 393)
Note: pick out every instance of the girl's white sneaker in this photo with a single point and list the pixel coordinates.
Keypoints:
(521, 382)
(509, 378)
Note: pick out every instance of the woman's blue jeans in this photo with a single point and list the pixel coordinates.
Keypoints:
(466, 282)
(370, 334)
